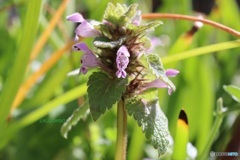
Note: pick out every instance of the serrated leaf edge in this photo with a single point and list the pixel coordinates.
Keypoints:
(73, 120)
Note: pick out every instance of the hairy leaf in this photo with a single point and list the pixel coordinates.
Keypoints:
(78, 114)
(128, 15)
(234, 91)
(104, 92)
(113, 13)
(155, 65)
(138, 30)
(105, 30)
(149, 26)
(108, 44)
(145, 41)
(131, 11)
(152, 120)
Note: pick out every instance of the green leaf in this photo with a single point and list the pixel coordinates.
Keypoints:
(104, 92)
(201, 51)
(106, 30)
(234, 91)
(128, 15)
(152, 120)
(113, 13)
(145, 41)
(155, 65)
(121, 7)
(21, 59)
(78, 114)
(138, 30)
(103, 43)
(131, 11)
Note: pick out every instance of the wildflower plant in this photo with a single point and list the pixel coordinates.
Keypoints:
(125, 72)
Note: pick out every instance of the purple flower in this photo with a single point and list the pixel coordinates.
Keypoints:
(137, 18)
(123, 51)
(88, 60)
(171, 72)
(155, 41)
(157, 83)
(75, 17)
(122, 61)
(121, 73)
(85, 29)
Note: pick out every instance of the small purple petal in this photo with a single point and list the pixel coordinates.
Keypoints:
(156, 84)
(121, 73)
(76, 47)
(81, 47)
(171, 72)
(123, 51)
(85, 29)
(155, 41)
(75, 17)
(122, 62)
(83, 70)
(89, 60)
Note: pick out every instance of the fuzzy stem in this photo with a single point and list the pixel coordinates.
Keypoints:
(121, 144)
(191, 18)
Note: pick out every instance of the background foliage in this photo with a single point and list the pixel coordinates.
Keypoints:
(35, 57)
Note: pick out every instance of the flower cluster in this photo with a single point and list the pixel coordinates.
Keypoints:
(121, 48)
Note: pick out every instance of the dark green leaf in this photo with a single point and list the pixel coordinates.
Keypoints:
(104, 92)
(152, 120)
(155, 65)
(105, 30)
(234, 91)
(78, 114)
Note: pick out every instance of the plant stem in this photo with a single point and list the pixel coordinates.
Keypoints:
(212, 137)
(215, 129)
(191, 18)
(121, 144)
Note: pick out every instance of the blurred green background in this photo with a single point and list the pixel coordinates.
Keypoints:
(49, 96)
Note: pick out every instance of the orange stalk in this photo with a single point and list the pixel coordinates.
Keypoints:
(26, 86)
(44, 37)
(191, 18)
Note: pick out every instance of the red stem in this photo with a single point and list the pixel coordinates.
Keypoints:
(191, 18)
